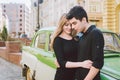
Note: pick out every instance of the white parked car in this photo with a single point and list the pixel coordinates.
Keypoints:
(38, 59)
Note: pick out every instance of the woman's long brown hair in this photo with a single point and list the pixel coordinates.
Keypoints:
(59, 29)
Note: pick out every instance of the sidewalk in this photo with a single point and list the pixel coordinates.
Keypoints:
(10, 71)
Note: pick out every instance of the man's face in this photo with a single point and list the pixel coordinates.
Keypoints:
(76, 25)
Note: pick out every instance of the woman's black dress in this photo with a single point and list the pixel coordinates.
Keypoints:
(65, 50)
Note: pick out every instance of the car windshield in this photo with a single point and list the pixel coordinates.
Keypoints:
(112, 42)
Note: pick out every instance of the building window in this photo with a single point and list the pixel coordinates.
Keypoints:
(4, 6)
(20, 6)
(4, 10)
(50, 35)
(20, 10)
(20, 15)
(20, 29)
(20, 19)
(92, 8)
(20, 24)
(40, 41)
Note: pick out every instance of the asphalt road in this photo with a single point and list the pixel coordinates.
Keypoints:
(9, 71)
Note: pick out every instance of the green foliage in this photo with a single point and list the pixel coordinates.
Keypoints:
(0, 36)
(4, 34)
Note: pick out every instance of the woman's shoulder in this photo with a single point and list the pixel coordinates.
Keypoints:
(57, 39)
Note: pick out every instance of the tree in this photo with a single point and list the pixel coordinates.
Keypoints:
(4, 34)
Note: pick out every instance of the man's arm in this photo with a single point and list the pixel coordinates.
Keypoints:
(97, 55)
(92, 73)
(69, 64)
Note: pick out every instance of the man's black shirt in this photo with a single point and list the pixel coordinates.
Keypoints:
(90, 47)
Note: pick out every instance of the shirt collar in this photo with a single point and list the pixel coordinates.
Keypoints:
(80, 34)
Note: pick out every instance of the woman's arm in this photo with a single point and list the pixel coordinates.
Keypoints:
(58, 49)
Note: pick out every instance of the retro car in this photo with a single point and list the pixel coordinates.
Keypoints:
(38, 58)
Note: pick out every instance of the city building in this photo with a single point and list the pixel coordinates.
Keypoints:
(16, 17)
(4, 21)
(51, 11)
(103, 13)
(95, 12)
(28, 27)
(1, 23)
(111, 17)
(34, 15)
(94, 9)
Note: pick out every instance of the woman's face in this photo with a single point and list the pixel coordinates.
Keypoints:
(67, 28)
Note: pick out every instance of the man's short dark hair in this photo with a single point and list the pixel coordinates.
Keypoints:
(78, 12)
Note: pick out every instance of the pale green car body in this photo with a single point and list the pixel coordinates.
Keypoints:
(39, 58)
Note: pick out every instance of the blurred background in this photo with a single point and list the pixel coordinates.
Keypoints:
(30, 15)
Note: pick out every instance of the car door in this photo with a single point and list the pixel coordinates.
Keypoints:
(111, 68)
(38, 59)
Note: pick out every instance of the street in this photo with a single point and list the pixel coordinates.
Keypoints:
(9, 71)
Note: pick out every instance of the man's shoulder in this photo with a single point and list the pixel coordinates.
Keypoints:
(96, 30)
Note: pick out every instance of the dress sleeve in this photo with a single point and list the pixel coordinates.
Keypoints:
(58, 49)
(98, 49)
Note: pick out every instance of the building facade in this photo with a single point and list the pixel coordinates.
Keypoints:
(52, 10)
(112, 15)
(16, 17)
(94, 9)
(33, 17)
(34, 14)
(1, 21)
(102, 13)
(28, 23)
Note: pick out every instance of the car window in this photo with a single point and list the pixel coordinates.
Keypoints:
(40, 41)
(49, 49)
(112, 42)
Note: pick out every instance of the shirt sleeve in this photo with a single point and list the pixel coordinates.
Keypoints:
(58, 49)
(97, 49)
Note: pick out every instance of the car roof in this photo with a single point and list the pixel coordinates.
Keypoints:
(105, 30)
(49, 28)
(52, 28)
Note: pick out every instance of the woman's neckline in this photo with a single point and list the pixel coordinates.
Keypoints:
(65, 38)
